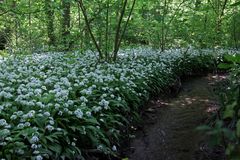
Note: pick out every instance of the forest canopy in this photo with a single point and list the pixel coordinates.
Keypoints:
(42, 25)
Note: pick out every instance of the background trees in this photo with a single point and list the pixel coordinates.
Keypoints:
(43, 25)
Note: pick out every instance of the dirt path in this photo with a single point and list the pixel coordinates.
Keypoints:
(169, 125)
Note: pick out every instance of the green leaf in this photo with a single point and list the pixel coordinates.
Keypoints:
(50, 139)
(47, 98)
(228, 113)
(233, 58)
(203, 128)
(40, 122)
(238, 128)
(56, 148)
(230, 149)
(235, 4)
(92, 121)
(225, 66)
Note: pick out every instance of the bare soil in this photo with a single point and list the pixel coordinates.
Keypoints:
(169, 125)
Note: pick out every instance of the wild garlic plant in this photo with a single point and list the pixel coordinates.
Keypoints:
(56, 105)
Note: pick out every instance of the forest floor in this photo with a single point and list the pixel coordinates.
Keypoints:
(169, 125)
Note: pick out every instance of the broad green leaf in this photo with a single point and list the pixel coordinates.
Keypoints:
(233, 58)
(225, 66)
(235, 4)
(238, 128)
(228, 113)
(56, 148)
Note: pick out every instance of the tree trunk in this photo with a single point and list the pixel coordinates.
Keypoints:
(79, 26)
(107, 32)
(126, 24)
(50, 23)
(30, 25)
(89, 29)
(163, 26)
(221, 6)
(119, 36)
(66, 18)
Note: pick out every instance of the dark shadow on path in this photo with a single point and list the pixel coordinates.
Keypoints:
(169, 129)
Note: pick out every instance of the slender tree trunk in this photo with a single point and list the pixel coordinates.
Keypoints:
(119, 36)
(107, 32)
(205, 22)
(100, 37)
(66, 18)
(79, 26)
(16, 24)
(163, 26)
(50, 23)
(16, 32)
(30, 25)
(89, 28)
(234, 32)
(126, 24)
(220, 8)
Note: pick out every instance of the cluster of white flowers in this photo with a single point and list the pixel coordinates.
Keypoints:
(53, 85)
(34, 139)
(78, 113)
(3, 122)
(104, 104)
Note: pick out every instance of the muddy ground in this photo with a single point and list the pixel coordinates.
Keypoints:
(169, 125)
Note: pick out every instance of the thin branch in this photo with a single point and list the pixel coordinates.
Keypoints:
(223, 8)
(5, 12)
(89, 28)
(172, 18)
(126, 24)
(215, 10)
(107, 31)
(176, 11)
(118, 31)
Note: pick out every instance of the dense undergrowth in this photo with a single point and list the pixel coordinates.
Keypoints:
(225, 130)
(67, 106)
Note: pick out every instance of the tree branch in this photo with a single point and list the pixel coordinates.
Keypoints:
(115, 50)
(126, 24)
(223, 8)
(89, 28)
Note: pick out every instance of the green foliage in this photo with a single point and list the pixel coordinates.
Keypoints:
(60, 106)
(226, 130)
(235, 4)
(3, 53)
(37, 25)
